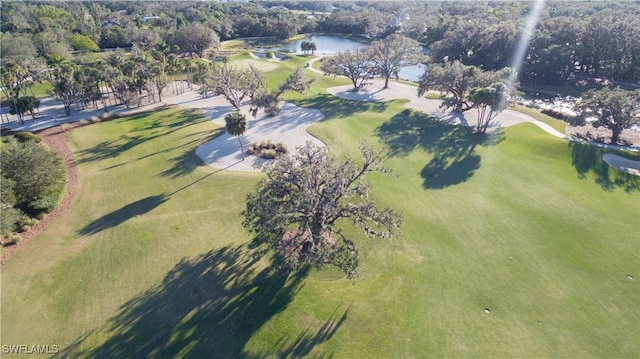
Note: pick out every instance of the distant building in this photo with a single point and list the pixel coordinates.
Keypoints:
(109, 23)
(150, 17)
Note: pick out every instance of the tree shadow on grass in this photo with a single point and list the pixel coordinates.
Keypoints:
(588, 159)
(112, 148)
(188, 160)
(205, 307)
(123, 214)
(453, 146)
(333, 106)
(173, 121)
(163, 126)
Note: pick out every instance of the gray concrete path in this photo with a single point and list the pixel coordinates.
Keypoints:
(397, 90)
(289, 126)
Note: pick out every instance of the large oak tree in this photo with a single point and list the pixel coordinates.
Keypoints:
(456, 80)
(394, 52)
(298, 208)
(615, 109)
(356, 65)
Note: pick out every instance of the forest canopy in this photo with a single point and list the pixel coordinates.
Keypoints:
(573, 41)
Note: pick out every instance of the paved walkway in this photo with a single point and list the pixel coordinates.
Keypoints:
(397, 90)
(289, 126)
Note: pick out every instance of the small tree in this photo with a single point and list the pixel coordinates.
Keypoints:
(37, 173)
(456, 80)
(308, 46)
(615, 109)
(297, 208)
(236, 125)
(193, 40)
(269, 99)
(14, 82)
(394, 52)
(234, 84)
(489, 102)
(65, 78)
(304, 47)
(356, 65)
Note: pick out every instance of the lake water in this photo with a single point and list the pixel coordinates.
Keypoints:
(411, 73)
(329, 45)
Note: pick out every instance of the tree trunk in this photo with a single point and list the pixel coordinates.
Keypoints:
(386, 81)
(615, 134)
(241, 147)
(316, 232)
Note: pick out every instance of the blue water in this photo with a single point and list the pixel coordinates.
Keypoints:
(329, 45)
(411, 73)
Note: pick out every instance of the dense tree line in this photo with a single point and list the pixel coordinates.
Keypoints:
(573, 41)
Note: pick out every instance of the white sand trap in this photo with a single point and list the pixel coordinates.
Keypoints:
(288, 127)
(622, 164)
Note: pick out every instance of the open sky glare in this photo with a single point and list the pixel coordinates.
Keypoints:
(523, 43)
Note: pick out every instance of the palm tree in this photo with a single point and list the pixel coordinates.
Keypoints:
(236, 125)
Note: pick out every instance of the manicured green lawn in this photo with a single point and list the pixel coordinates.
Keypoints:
(39, 90)
(558, 125)
(151, 259)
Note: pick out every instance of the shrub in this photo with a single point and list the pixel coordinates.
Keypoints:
(23, 137)
(432, 96)
(82, 43)
(10, 238)
(10, 220)
(281, 148)
(267, 149)
(269, 154)
(46, 203)
(108, 116)
(36, 172)
(7, 195)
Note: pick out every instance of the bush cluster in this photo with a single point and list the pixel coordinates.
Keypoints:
(556, 114)
(268, 149)
(31, 182)
(23, 137)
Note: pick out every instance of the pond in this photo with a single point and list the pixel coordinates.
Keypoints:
(331, 44)
(411, 73)
(327, 45)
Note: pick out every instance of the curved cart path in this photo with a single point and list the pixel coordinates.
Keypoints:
(397, 90)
